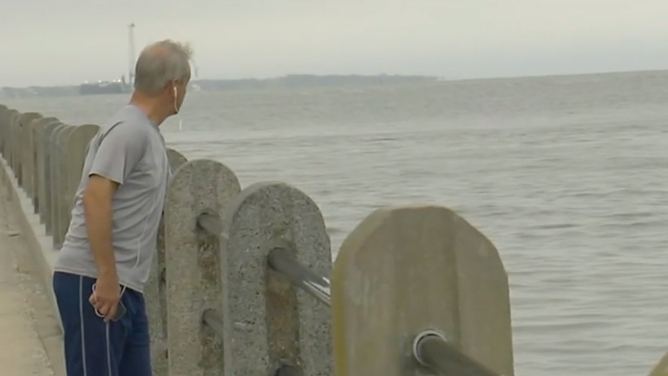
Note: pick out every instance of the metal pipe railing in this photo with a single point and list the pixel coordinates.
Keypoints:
(282, 261)
(433, 351)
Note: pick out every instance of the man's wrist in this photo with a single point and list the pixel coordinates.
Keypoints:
(107, 271)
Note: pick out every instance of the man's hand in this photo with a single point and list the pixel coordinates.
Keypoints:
(106, 295)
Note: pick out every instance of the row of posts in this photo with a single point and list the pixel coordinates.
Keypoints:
(243, 282)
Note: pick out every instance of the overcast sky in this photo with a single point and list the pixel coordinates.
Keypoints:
(45, 42)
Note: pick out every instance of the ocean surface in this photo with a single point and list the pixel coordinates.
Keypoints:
(567, 176)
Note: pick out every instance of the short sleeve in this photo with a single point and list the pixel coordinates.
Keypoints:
(119, 150)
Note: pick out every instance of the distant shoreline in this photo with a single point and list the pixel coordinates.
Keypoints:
(288, 81)
(297, 81)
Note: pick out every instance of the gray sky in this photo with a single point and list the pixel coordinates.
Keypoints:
(44, 42)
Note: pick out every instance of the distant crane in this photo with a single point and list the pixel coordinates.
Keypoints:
(131, 53)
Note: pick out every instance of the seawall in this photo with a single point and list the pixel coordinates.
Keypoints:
(42, 251)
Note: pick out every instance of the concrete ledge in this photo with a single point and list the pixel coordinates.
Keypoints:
(42, 252)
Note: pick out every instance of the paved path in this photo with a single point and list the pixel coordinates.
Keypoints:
(31, 338)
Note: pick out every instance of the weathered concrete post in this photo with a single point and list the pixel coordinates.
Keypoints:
(53, 184)
(73, 153)
(12, 145)
(62, 173)
(15, 147)
(37, 127)
(193, 266)
(4, 140)
(661, 368)
(268, 322)
(77, 147)
(407, 269)
(4, 131)
(28, 165)
(44, 194)
(154, 291)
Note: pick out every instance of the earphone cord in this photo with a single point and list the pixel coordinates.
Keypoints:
(176, 109)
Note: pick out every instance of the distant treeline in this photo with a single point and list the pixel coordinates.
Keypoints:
(307, 80)
(289, 81)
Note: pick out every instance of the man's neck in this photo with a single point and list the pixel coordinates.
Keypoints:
(149, 106)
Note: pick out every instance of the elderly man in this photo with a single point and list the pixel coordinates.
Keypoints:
(106, 256)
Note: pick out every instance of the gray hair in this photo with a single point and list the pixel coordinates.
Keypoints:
(162, 62)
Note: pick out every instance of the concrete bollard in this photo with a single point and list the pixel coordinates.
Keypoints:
(53, 183)
(27, 156)
(268, 322)
(154, 291)
(4, 141)
(44, 194)
(661, 368)
(4, 131)
(74, 142)
(407, 269)
(20, 159)
(15, 147)
(77, 147)
(9, 147)
(61, 171)
(7, 152)
(38, 150)
(29, 151)
(193, 266)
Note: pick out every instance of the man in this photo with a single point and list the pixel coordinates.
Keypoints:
(106, 256)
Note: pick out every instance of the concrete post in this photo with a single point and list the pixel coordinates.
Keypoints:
(268, 322)
(44, 194)
(53, 184)
(661, 368)
(38, 150)
(4, 131)
(411, 268)
(154, 291)
(193, 266)
(61, 173)
(27, 156)
(15, 147)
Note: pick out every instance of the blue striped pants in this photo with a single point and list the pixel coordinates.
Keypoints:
(96, 348)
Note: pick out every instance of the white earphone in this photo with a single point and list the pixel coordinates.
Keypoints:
(176, 108)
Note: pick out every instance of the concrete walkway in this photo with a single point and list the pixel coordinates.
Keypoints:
(31, 336)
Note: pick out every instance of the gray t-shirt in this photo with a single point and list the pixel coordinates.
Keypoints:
(129, 150)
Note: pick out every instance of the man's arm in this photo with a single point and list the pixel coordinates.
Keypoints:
(97, 209)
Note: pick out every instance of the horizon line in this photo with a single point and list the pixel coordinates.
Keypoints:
(437, 77)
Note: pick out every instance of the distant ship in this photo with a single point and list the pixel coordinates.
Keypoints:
(104, 87)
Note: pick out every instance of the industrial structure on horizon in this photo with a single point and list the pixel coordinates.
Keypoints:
(117, 86)
(122, 85)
